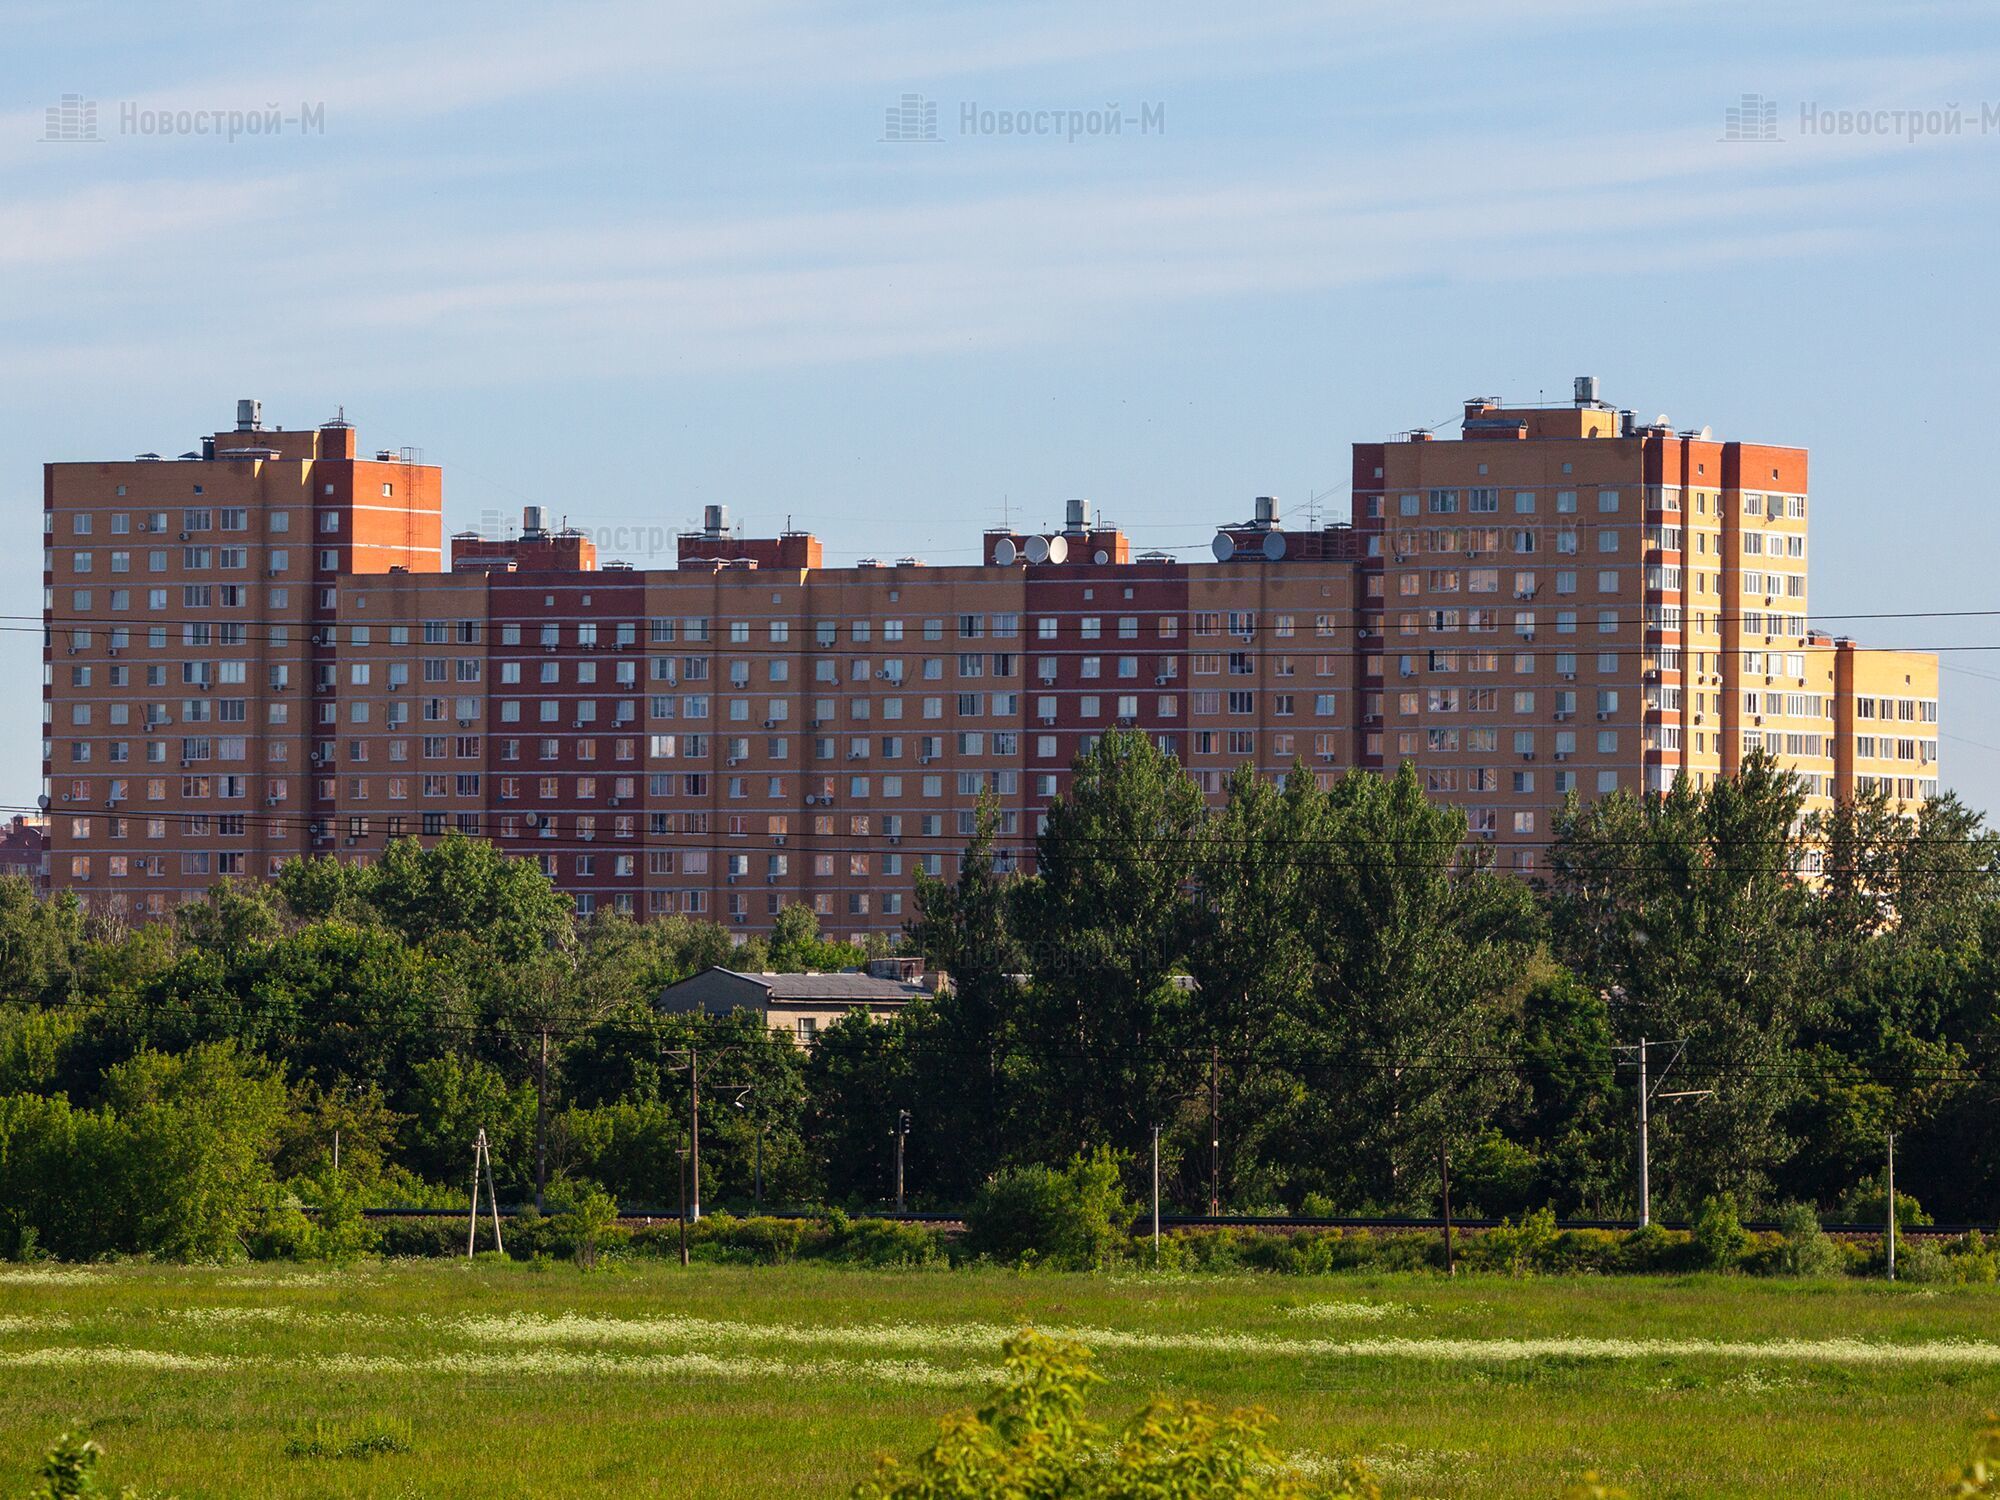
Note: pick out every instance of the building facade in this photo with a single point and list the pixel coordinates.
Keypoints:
(262, 651)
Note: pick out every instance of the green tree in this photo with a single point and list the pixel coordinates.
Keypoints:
(1106, 919)
(1420, 962)
(1689, 908)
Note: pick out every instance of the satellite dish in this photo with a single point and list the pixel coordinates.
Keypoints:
(1058, 549)
(1274, 545)
(1004, 552)
(1224, 546)
(1100, 556)
(1038, 549)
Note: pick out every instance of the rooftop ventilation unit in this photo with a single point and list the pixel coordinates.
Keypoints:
(714, 520)
(249, 415)
(1586, 390)
(534, 523)
(1076, 516)
(1267, 512)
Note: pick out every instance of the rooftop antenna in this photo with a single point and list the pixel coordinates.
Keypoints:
(1006, 513)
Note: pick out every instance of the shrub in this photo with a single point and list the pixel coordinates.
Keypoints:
(1516, 1248)
(1073, 1218)
(1804, 1249)
(1867, 1204)
(1719, 1240)
(584, 1221)
(69, 1470)
(1032, 1441)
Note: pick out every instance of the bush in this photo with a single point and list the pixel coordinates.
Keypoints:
(1516, 1248)
(584, 1221)
(1071, 1219)
(1719, 1238)
(1866, 1205)
(1803, 1248)
(1031, 1440)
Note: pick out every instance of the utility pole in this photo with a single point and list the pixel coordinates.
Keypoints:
(482, 1156)
(1444, 1166)
(902, 1131)
(1156, 1195)
(1215, 1131)
(1649, 1090)
(542, 1122)
(694, 1133)
(684, 1206)
(1645, 1162)
(1892, 1205)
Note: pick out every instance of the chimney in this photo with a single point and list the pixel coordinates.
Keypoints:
(249, 415)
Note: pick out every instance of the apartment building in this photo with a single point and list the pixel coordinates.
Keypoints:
(260, 650)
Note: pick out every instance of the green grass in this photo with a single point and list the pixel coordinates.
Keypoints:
(435, 1379)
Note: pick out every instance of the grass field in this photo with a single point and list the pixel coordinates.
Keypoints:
(435, 1379)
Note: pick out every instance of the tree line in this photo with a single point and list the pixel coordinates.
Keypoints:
(1313, 996)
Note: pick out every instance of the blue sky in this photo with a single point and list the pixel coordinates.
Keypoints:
(625, 259)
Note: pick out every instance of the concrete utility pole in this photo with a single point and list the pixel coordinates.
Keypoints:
(1444, 1166)
(902, 1133)
(1645, 1162)
(1215, 1132)
(1649, 1090)
(1892, 1205)
(1156, 1195)
(542, 1122)
(694, 1081)
(684, 1205)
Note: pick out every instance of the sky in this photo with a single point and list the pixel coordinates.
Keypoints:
(625, 258)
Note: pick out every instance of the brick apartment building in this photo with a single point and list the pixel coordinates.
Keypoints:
(260, 651)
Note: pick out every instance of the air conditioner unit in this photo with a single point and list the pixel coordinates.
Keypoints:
(113, 651)
(732, 880)
(1527, 755)
(770, 723)
(739, 916)
(1569, 677)
(184, 536)
(1602, 717)
(1562, 755)
(1561, 714)
(778, 838)
(895, 838)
